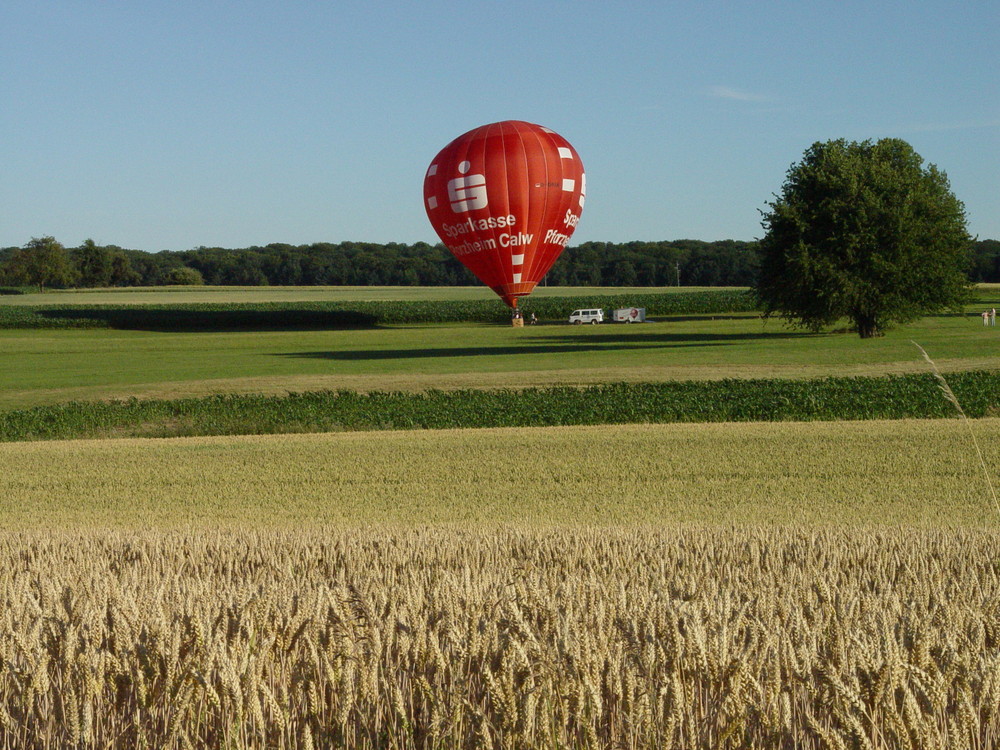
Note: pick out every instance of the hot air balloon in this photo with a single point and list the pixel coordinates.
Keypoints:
(505, 199)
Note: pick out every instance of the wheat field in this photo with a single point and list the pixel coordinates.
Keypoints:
(687, 637)
(914, 472)
(821, 585)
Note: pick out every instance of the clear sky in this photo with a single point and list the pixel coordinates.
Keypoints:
(171, 124)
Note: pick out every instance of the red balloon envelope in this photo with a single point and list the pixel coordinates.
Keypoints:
(505, 198)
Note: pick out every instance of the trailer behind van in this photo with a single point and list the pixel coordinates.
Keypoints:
(629, 315)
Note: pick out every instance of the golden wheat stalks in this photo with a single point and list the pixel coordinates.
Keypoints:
(950, 395)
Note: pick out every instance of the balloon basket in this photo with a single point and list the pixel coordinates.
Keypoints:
(517, 322)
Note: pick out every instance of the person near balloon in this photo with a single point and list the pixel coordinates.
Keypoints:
(993, 316)
(986, 317)
(533, 319)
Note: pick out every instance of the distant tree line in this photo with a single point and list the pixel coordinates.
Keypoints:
(46, 263)
(985, 266)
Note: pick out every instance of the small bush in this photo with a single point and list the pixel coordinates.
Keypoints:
(185, 276)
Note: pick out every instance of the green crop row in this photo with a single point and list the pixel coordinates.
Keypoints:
(254, 316)
(891, 397)
(39, 317)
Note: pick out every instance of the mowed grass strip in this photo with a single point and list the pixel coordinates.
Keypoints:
(52, 366)
(919, 473)
(263, 294)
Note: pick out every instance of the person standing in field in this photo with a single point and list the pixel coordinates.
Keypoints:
(993, 316)
(986, 317)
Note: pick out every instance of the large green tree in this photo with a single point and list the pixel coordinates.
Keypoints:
(93, 264)
(98, 265)
(42, 262)
(863, 231)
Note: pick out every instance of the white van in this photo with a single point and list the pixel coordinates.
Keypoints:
(586, 316)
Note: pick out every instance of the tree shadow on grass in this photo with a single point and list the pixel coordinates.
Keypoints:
(562, 344)
(194, 320)
(658, 336)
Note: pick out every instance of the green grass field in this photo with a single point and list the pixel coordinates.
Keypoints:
(45, 367)
(51, 366)
(39, 367)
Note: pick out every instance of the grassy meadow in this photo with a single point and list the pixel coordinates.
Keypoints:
(52, 366)
(822, 584)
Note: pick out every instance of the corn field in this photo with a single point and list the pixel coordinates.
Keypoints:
(686, 636)
(358, 313)
(913, 396)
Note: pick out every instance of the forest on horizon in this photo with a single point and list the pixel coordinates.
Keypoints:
(666, 263)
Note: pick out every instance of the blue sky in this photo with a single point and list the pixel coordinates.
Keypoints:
(168, 125)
